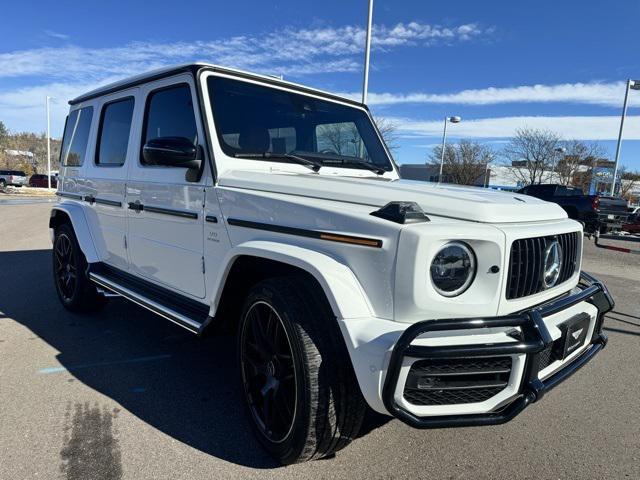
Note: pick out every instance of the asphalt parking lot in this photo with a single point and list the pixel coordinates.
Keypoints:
(126, 395)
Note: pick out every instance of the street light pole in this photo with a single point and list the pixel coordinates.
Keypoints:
(555, 159)
(635, 85)
(48, 144)
(367, 54)
(454, 119)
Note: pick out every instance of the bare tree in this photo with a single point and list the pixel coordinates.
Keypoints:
(388, 129)
(628, 181)
(578, 159)
(531, 153)
(344, 138)
(339, 138)
(464, 163)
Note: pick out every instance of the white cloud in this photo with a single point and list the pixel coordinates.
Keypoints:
(596, 93)
(569, 127)
(300, 51)
(71, 70)
(60, 36)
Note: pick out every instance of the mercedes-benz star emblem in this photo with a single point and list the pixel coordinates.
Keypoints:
(552, 264)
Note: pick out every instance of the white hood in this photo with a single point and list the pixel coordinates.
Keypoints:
(467, 203)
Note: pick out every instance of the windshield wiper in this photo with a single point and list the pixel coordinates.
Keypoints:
(355, 161)
(315, 166)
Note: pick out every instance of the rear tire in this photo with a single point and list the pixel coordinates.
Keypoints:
(302, 395)
(75, 291)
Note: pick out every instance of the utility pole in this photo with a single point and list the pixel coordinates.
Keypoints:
(48, 98)
(367, 54)
(635, 85)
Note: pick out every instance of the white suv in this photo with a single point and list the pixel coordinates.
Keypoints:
(217, 197)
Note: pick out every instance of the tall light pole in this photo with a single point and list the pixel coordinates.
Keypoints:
(555, 159)
(367, 54)
(48, 98)
(454, 119)
(487, 175)
(635, 85)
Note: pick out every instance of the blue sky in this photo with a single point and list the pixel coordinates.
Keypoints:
(501, 65)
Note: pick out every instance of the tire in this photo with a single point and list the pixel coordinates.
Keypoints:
(74, 289)
(315, 403)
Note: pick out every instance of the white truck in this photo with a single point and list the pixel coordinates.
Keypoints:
(215, 197)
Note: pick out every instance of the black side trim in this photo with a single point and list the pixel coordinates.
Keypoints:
(170, 211)
(300, 232)
(181, 304)
(211, 219)
(75, 196)
(104, 201)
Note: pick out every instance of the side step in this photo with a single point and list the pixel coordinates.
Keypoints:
(174, 307)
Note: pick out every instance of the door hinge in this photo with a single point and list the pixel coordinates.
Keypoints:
(203, 269)
(125, 242)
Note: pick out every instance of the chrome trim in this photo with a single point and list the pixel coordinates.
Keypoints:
(171, 315)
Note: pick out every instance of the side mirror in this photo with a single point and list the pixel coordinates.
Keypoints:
(172, 152)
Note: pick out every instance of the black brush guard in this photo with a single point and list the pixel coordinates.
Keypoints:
(534, 339)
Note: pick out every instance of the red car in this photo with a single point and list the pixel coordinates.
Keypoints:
(39, 180)
(633, 226)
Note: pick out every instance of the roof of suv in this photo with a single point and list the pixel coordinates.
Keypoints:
(194, 68)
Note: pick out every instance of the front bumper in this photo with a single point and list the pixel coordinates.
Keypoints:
(534, 340)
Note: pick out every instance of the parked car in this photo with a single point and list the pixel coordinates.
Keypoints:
(14, 178)
(39, 180)
(595, 212)
(218, 198)
(633, 224)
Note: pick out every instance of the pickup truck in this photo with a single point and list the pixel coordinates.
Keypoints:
(14, 178)
(595, 212)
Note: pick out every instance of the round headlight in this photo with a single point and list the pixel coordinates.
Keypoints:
(453, 269)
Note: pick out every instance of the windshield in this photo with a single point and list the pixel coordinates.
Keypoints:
(254, 119)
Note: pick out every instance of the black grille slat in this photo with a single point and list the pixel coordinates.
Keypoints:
(526, 263)
(456, 380)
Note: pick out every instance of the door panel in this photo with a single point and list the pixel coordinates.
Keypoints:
(105, 182)
(165, 234)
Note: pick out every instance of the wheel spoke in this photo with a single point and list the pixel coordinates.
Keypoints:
(251, 361)
(268, 371)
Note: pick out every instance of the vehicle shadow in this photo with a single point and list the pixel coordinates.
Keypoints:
(182, 385)
(185, 386)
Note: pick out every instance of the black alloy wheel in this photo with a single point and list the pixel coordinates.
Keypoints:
(65, 269)
(268, 371)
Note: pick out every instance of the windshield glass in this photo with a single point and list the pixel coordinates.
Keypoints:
(254, 119)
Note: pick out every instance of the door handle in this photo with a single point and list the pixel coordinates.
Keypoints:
(137, 206)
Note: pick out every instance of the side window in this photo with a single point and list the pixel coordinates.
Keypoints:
(113, 136)
(169, 113)
(76, 136)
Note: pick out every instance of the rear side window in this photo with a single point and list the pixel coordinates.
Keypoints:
(76, 136)
(113, 136)
(169, 113)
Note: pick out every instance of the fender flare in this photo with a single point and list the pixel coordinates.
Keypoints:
(341, 287)
(80, 228)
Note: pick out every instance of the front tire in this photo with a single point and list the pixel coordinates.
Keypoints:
(74, 289)
(301, 392)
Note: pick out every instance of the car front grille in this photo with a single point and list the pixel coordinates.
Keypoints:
(526, 263)
(456, 381)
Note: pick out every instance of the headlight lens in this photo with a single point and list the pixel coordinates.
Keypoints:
(453, 269)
